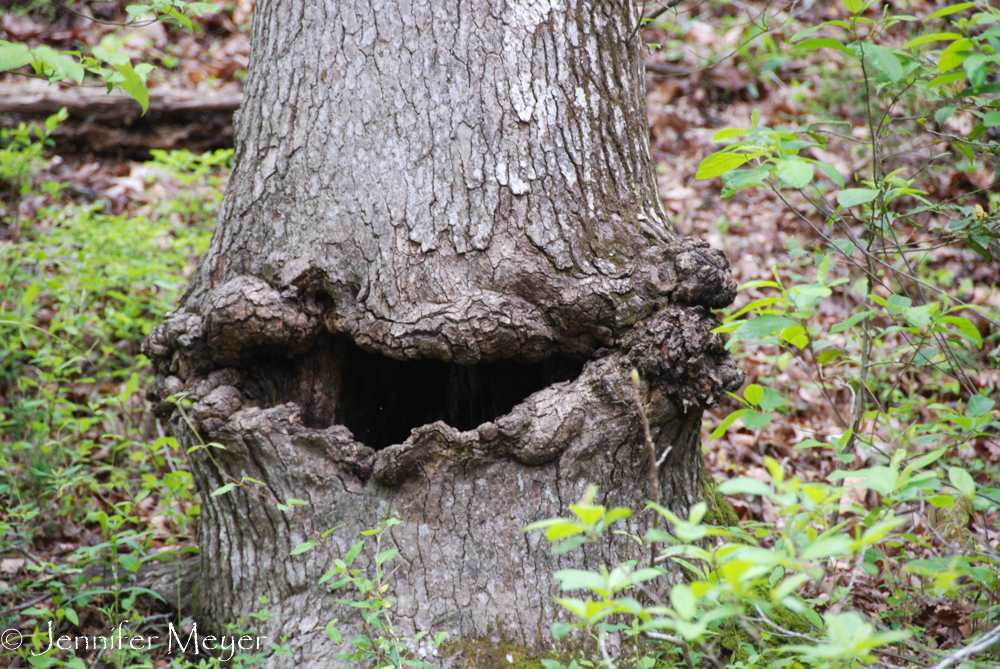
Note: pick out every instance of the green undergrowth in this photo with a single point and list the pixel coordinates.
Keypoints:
(90, 487)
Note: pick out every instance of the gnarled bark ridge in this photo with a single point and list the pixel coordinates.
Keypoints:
(440, 256)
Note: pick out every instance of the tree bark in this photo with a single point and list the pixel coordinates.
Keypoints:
(439, 258)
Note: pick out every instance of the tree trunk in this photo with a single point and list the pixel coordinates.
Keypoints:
(440, 255)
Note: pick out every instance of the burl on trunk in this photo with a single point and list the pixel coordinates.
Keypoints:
(440, 256)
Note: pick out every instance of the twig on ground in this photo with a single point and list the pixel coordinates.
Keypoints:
(983, 643)
(30, 602)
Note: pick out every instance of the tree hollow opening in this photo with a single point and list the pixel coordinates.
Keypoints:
(381, 399)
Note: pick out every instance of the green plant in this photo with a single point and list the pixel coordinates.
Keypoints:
(875, 244)
(82, 287)
(21, 157)
(377, 641)
(733, 583)
(106, 63)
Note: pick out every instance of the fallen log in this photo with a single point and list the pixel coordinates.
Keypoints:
(112, 123)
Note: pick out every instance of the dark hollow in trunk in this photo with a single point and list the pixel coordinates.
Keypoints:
(380, 400)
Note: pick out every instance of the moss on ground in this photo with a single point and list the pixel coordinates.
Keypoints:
(720, 512)
(486, 653)
(495, 651)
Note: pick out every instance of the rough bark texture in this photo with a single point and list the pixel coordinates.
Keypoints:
(439, 258)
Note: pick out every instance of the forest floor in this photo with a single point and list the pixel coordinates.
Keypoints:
(723, 69)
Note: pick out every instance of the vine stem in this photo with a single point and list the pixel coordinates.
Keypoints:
(654, 463)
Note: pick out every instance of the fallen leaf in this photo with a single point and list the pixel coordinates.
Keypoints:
(11, 565)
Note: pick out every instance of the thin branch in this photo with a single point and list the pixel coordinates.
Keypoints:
(107, 23)
(602, 642)
(985, 642)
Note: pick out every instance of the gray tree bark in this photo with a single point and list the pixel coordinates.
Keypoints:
(440, 256)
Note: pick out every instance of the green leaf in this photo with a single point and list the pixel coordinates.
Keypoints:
(925, 567)
(729, 133)
(180, 18)
(942, 501)
(222, 490)
(831, 173)
(975, 69)
(303, 547)
(133, 85)
(924, 460)
(199, 8)
(920, 317)
(830, 354)
(934, 37)
(735, 180)
(945, 79)
(802, 34)
(811, 617)
(333, 632)
(986, 498)
(110, 57)
(951, 57)
(823, 43)
(13, 56)
(617, 513)
(853, 320)
(885, 60)
(683, 601)
(353, 552)
(718, 164)
(578, 579)
(131, 386)
(743, 485)
(62, 66)
(953, 9)
(562, 530)
(560, 630)
(979, 405)
(831, 546)
(542, 524)
(879, 478)
(945, 113)
(753, 394)
(795, 173)
(991, 119)
(724, 425)
(137, 11)
(853, 6)
(754, 420)
(772, 400)
(962, 481)
(851, 197)
(587, 513)
(71, 616)
(385, 556)
(568, 545)
(762, 326)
